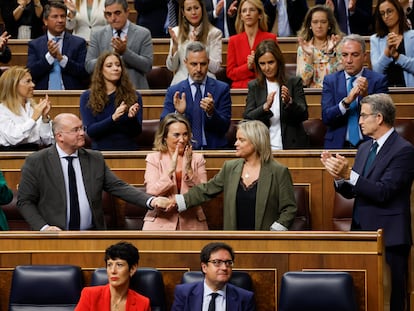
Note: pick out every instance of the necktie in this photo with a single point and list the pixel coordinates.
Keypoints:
(212, 305)
(342, 16)
(371, 157)
(196, 123)
(74, 221)
(172, 15)
(55, 76)
(119, 32)
(353, 116)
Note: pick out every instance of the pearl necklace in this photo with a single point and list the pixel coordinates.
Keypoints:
(246, 175)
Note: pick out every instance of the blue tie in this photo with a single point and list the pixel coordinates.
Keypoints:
(172, 15)
(55, 76)
(353, 116)
(197, 118)
(370, 159)
(74, 220)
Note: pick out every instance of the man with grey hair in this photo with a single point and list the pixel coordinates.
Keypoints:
(203, 100)
(131, 41)
(342, 92)
(380, 181)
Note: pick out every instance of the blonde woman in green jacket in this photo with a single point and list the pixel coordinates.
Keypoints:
(258, 191)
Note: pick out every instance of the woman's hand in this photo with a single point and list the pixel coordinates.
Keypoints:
(333, 41)
(306, 46)
(269, 101)
(133, 110)
(250, 61)
(120, 110)
(38, 110)
(285, 95)
(173, 165)
(188, 154)
(174, 40)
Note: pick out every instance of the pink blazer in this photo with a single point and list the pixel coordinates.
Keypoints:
(98, 298)
(237, 52)
(157, 183)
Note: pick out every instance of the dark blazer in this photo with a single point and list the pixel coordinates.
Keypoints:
(361, 21)
(152, 15)
(296, 11)
(73, 75)
(275, 198)
(41, 197)
(333, 91)
(214, 21)
(216, 126)
(189, 297)
(6, 55)
(291, 117)
(382, 197)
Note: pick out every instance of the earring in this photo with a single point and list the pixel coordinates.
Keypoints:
(310, 28)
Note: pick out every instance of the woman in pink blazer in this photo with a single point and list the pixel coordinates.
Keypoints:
(121, 263)
(174, 169)
(251, 26)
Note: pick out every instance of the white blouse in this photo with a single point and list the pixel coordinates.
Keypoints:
(22, 129)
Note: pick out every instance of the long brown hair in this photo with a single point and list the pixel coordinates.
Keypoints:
(270, 46)
(125, 91)
(381, 28)
(184, 25)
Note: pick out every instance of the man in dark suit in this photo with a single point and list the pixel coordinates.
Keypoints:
(222, 14)
(292, 12)
(57, 56)
(210, 112)
(44, 198)
(214, 293)
(380, 181)
(342, 91)
(152, 15)
(357, 15)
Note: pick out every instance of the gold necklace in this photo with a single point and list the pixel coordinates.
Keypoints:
(115, 305)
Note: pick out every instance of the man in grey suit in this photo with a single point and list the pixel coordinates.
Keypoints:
(45, 195)
(131, 41)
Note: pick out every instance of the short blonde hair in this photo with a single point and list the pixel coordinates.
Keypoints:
(258, 134)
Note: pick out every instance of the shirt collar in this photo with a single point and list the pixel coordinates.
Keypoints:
(63, 154)
(381, 141)
(359, 74)
(51, 37)
(191, 81)
(208, 291)
(124, 29)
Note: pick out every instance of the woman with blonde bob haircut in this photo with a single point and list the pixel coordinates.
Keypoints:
(25, 124)
(258, 191)
(251, 25)
(173, 169)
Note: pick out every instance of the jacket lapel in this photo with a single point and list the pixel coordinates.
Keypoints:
(263, 190)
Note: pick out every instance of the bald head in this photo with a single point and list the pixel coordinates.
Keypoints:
(68, 131)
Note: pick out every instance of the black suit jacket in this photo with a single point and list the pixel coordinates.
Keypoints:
(152, 15)
(291, 117)
(296, 10)
(361, 21)
(41, 197)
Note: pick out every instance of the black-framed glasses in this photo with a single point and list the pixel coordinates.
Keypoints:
(217, 262)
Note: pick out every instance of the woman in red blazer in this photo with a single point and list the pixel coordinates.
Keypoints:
(121, 263)
(251, 25)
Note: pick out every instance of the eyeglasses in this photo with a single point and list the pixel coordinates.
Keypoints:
(109, 14)
(217, 262)
(363, 116)
(75, 130)
(387, 12)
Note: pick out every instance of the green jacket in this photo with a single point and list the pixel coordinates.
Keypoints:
(275, 199)
(6, 195)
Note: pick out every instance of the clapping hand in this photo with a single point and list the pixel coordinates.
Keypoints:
(307, 46)
(179, 103)
(232, 9)
(133, 110)
(337, 165)
(119, 111)
(3, 40)
(269, 101)
(207, 104)
(250, 60)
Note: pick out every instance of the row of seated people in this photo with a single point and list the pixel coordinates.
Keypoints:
(59, 287)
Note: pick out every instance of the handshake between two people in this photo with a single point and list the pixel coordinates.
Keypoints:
(164, 203)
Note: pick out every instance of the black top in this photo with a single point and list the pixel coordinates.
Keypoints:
(246, 205)
(394, 72)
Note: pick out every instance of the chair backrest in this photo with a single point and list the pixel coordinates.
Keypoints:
(45, 287)
(302, 220)
(317, 291)
(316, 130)
(342, 213)
(238, 278)
(146, 281)
(405, 128)
(159, 78)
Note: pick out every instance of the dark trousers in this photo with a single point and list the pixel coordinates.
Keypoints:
(397, 259)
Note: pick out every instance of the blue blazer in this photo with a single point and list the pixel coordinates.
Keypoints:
(333, 91)
(380, 62)
(216, 126)
(189, 297)
(74, 74)
(382, 197)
